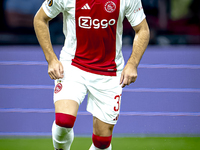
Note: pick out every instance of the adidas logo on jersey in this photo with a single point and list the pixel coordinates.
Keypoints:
(86, 6)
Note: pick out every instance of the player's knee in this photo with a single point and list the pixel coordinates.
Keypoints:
(65, 120)
(101, 142)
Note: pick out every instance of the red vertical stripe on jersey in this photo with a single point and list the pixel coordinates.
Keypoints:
(96, 23)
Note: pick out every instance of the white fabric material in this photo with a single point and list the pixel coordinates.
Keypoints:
(102, 92)
(132, 9)
(95, 148)
(62, 137)
(104, 98)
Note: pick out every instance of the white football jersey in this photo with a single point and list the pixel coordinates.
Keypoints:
(93, 31)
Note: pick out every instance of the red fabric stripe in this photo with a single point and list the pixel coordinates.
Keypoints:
(65, 120)
(96, 36)
(101, 142)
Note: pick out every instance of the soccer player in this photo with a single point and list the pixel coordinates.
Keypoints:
(91, 62)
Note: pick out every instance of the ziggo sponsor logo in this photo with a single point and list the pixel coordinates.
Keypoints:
(88, 22)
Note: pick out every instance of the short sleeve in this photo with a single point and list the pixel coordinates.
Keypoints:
(52, 7)
(134, 12)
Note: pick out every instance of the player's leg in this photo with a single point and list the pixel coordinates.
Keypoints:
(102, 135)
(68, 95)
(104, 99)
(62, 129)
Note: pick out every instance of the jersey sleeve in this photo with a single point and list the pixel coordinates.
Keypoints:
(134, 12)
(52, 7)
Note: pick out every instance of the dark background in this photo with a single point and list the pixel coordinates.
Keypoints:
(170, 21)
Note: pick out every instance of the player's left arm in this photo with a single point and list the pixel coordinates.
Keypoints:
(141, 40)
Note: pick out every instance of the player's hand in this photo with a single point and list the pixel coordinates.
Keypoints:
(55, 69)
(129, 75)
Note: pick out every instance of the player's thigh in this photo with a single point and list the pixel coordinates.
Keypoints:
(66, 107)
(101, 128)
(104, 98)
(70, 91)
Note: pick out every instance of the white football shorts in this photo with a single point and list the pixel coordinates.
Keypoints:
(104, 92)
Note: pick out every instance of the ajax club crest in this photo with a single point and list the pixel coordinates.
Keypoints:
(110, 6)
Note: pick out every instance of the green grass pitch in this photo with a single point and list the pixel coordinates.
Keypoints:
(118, 143)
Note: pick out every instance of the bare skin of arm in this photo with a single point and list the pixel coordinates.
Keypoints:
(141, 40)
(41, 26)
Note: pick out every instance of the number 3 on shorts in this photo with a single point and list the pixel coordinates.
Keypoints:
(117, 97)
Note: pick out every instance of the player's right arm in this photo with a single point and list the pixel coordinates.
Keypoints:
(41, 26)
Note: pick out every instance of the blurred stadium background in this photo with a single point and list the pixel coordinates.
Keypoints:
(164, 101)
